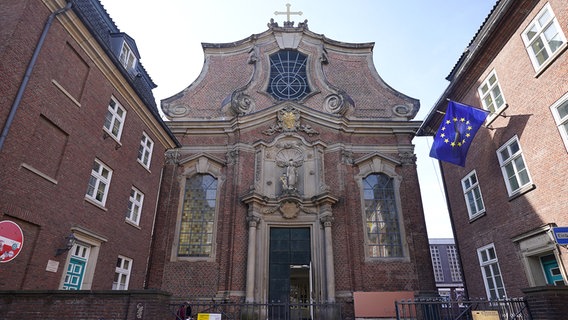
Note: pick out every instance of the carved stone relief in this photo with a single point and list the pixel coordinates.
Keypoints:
(289, 121)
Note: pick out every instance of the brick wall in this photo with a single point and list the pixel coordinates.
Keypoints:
(547, 303)
(86, 305)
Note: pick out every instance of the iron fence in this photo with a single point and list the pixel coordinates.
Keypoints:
(440, 309)
(231, 310)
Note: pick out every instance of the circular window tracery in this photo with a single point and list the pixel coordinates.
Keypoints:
(288, 79)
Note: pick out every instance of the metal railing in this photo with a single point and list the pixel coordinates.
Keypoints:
(229, 310)
(440, 309)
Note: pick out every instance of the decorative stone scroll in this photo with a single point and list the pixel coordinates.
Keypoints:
(172, 156)
(242, 103)
(407, 158)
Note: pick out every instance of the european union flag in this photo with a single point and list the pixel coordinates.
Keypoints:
(456, 132)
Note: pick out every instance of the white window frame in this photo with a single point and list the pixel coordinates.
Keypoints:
(471, 189)
(491, 272)
(513, 163)
(127, 57)
(114, 118)
(541, 27)
(122, 273)
(490, 94)
(135, 203)
(561, 121)
(99, 182)
(145, 151)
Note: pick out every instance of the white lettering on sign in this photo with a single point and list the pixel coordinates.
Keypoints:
(562, 235)
(9, 242)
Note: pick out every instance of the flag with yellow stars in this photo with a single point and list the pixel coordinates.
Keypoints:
(459, 126)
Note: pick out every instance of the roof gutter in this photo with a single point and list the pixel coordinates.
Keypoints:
(28, 73)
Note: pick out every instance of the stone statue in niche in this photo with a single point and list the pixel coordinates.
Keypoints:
(290, 178)
(290, 158)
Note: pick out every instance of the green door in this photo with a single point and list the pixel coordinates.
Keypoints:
(289, 248)
(76, 267)
(551, 270)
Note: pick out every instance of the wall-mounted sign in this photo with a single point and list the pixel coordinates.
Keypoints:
(561, 235)
(485, 315)
(11, 240)
(209, 316)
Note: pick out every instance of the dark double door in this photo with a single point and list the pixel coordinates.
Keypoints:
(289, 265)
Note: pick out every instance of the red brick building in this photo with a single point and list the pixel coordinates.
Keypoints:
(296, 180)
(81, 150)
(509, 196)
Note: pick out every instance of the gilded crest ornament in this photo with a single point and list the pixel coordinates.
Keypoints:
(289, 121)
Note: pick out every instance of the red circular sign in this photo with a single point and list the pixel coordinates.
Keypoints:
(11, 240)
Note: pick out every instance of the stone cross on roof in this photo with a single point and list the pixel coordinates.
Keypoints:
(288, 13)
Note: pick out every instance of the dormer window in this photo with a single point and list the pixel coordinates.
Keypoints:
(288, 79)
(127, 57)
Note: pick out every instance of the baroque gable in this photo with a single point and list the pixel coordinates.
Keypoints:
(289, 64)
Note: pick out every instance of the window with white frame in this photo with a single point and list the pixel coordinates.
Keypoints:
(135, 206)
(99, 182)
(472, 195)
(114, 119)
(543, 37)
(491, 95)
(437, 264)
(560, 114)
(513, 166)
(122, 273)
(454, 263)
(145, 150)
(491, 272)
(127, 57)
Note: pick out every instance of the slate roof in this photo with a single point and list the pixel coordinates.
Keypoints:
(93, 14)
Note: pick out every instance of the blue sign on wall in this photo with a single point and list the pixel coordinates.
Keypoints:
(561, 235)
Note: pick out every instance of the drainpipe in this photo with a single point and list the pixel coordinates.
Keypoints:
(28, 73)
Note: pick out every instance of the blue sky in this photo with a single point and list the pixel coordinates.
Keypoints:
(417, 43)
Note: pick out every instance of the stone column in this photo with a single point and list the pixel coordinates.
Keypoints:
(330, 271)
(251, 257)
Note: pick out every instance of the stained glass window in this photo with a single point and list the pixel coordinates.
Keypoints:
(381, 217)
(197, 216)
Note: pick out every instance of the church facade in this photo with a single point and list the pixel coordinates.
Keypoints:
(296, 179)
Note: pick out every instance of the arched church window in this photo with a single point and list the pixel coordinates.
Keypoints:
(381, 217)
(198, 216)
(288, 78)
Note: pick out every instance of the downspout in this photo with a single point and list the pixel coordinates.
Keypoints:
(28, 73)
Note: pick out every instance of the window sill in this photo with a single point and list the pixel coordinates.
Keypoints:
(194, 259)
(132, 223)
(550, 61)
(107, 134)
(39, 173)
(66, 93)
(522, 191)
(144, 166)
(386, 259)
(477, 216)
(492, 117)
(96, 204)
